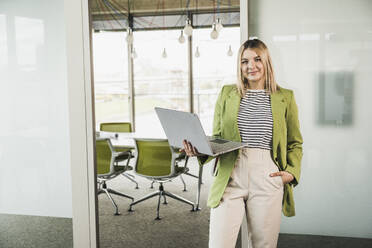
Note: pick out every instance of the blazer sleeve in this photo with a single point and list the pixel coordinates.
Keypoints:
(216, 125)
(294, 141)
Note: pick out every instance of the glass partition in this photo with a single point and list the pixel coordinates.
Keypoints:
(323, 51)
(35, 159)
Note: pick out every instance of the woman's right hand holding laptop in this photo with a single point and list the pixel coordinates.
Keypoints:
(189, 149)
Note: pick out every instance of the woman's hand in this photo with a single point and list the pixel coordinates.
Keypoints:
(189, 149)
(286, 176)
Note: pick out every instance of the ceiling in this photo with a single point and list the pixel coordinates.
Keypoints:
(161, 7)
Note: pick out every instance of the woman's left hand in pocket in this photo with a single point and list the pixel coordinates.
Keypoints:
(286, 176)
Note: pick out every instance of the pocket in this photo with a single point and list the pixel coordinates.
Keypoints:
(277, 181)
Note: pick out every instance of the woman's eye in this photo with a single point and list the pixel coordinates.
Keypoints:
(257, 59)
(245, 62)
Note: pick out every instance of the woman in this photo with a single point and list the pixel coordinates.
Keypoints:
(257, 179)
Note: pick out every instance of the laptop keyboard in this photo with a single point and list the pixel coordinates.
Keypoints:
(221, 145)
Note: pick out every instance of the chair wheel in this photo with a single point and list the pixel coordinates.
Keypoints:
(118, 213)
(158, 218)
(195, 209)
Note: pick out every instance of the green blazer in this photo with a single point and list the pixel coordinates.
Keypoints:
(286, 143)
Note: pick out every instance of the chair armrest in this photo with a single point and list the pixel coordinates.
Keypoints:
(120, 156)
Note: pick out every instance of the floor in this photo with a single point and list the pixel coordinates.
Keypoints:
(179, 226)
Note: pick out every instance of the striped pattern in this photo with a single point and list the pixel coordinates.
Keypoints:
(255, 120)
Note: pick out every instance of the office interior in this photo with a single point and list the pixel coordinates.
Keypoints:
(68, 66)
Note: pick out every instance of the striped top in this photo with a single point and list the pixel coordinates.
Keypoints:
(255, 120)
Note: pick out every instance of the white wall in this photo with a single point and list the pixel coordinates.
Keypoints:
(35, 175)
(308, 38)
(46, 128)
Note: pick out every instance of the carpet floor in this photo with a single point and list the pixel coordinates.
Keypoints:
(179, 227)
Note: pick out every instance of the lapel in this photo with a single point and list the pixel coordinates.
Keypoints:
(234, 104)
(278, 111)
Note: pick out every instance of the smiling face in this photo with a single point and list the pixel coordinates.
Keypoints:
(253, 69)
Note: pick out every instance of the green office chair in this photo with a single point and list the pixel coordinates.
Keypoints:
(107, 170)
(158, 162)
(180, 157)
(120, 127)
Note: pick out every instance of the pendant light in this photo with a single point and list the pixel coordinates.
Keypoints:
(129, 36)
(164, 54)
(181, 39)
(134, 54)
(197, 53)
(188, 28)
(214, 33)
(219, 25)
(230, 52)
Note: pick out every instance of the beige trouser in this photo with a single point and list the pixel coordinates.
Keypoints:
(250, 189)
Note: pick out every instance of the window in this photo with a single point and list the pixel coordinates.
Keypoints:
(158, 81)
(111, 76)
(213, 69)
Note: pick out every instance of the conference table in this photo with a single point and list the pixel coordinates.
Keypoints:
(126, 140)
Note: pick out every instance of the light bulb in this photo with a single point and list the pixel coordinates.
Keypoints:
(214, 33)
(181, 39)
(219, 25)
(230, 52)
(129, 36)
(134, 54)
(197, 53)
(164, 54)
(188, 28)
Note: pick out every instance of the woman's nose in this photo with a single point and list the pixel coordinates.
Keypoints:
(251, 64)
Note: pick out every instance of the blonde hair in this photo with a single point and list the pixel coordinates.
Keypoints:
(261, 49)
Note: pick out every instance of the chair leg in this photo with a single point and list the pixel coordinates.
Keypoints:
(184, 184)
(120, 194)
(130, 178)
(142, 199)
(161, 193)
(158, 209)
(191, 175)
(165, 200)
(152, 185)
(179, 198)
(112, 201)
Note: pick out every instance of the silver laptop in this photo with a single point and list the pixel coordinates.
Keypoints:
(179, 126)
